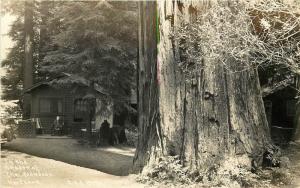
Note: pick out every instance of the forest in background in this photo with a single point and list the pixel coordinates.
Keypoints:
(104, 50)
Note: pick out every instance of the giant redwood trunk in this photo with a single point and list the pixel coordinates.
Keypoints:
(216, 116)
(148, 113)
(45, 32)
(28, 59)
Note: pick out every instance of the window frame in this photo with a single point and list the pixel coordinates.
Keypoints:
(42, 100)
(82, 119)
(54, 103)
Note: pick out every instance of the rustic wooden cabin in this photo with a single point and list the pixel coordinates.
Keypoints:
(71, 102)
(74, 102)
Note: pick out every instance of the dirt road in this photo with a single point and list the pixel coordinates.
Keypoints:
(113, 160)
(293, 152)
(26, 171)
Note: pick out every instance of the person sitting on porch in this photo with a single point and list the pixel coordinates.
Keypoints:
(57, 126)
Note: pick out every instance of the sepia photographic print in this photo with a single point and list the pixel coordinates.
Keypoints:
(153, 93)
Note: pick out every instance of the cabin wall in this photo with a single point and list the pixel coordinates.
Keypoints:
(67, 98)
(47, 118)
(69, 111)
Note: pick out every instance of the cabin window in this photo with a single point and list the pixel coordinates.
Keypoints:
(291, 107)
(59, 106)
(51, 105)
(80, 110)
(45, 106)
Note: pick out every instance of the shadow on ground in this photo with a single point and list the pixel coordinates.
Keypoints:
(115, 161)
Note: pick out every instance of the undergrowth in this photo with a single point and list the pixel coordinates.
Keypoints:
(169, 172)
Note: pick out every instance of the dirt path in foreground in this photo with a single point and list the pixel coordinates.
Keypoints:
(293, 153)
(27, 171)
(70, 151)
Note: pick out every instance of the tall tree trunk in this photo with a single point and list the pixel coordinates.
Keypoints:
(216, 116)
(45, 28)
(44, 35)
(28, 63)
(148, 119)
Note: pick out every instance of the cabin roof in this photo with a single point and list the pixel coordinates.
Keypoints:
(66, 78)
(275, 87)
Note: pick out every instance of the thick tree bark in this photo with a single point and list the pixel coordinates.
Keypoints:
(44, 31)
(28, 63)
(148, 114)
(219, 115)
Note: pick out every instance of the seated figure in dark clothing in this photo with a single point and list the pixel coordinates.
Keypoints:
(104, 133)
(57, 126)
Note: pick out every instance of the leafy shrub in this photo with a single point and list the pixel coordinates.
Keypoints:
(168, 170)
(281, 176)
(132, 136)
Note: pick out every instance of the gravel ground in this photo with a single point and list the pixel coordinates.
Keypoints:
(115, 162)
(19, 170)
(293, 152)
(111, 160)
